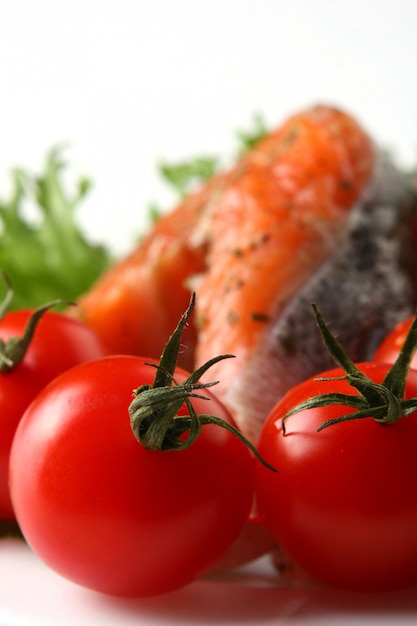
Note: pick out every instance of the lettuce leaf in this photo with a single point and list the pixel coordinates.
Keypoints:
(48, 256)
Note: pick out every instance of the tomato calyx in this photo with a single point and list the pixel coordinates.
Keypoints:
(154, 410)
(384, 402)
(12, 351)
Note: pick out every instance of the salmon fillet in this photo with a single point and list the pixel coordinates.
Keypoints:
(362, 287)
(314, 211)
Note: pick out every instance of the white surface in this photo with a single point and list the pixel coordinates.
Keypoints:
(31, 595)
(128, 82)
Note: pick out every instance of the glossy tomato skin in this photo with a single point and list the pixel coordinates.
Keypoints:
(389, 349)
(110, 515)
(58, 343)
(343, 503)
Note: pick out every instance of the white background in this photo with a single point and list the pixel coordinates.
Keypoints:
(126, 83)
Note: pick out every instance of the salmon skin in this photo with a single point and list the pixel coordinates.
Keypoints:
(313, 212)
(362, 289)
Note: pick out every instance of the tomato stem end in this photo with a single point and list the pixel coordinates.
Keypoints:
(384, 402)
(154, 409)
(12, 351)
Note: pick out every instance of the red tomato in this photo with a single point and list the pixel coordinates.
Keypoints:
(57, 344)
(343, 502)
(390, 347)
(106, 512)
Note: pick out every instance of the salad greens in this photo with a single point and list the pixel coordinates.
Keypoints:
(183, 176)
(247, 139)
(47, 257)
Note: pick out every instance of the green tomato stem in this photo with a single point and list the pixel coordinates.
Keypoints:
(154, 410)
(384, 402)
(12, 351)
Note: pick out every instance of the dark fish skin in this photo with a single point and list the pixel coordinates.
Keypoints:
(362, 290)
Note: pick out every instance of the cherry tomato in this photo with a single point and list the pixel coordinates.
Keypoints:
(389, 349)
(57, 344)
(343, 502)
(106, 512)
